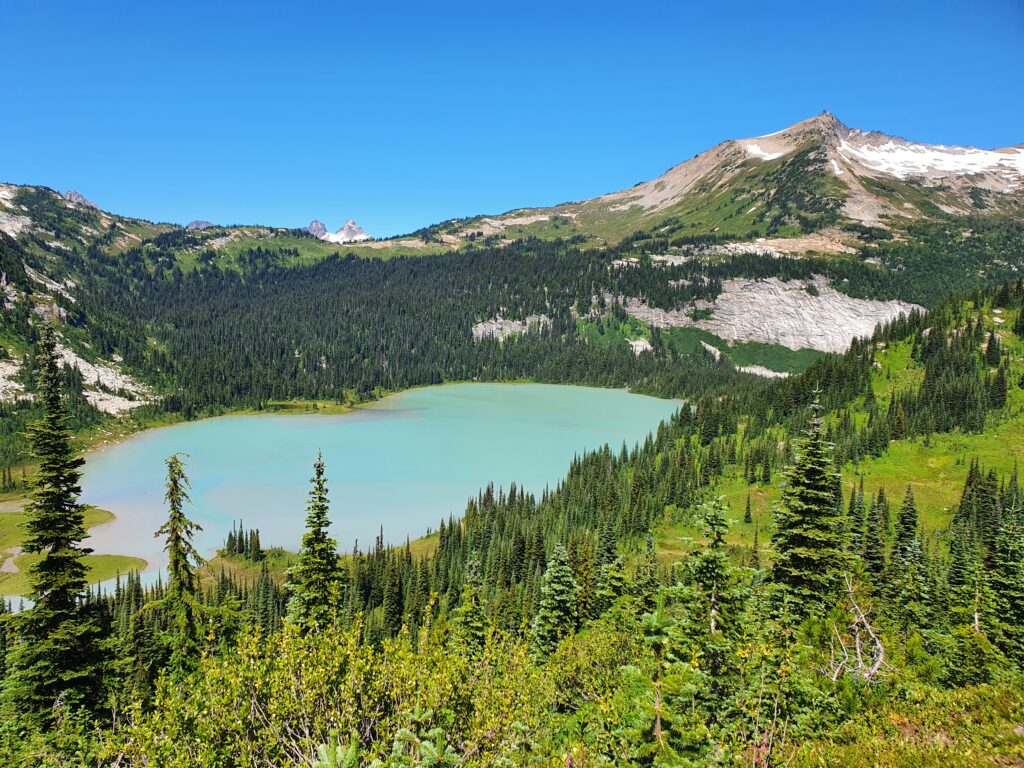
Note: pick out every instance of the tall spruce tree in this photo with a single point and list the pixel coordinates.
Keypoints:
(907, 582)
(809, 526)
(314, 583)
(1007, 581)
(557, 615)
(469, 616)
(55, 657)
(179, 602)
(711, 599)
(906, 545)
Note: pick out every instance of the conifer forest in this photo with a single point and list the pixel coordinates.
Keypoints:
(652, 415)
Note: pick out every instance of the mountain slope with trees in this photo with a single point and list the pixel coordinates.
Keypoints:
(541, 627)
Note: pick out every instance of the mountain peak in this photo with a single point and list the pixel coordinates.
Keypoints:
(78, 199)
(199, 224)
(349, 233)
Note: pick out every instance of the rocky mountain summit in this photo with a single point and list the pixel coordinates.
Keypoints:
(349, 233)
(198, 225)
(813, 178)
(78, 199)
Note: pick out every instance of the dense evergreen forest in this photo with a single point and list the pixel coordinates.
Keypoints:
(550, 630)
(209, 334)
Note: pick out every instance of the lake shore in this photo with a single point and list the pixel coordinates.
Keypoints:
(109, 435)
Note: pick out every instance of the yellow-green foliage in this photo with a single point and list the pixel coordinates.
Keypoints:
(978, 727)
(261, 705)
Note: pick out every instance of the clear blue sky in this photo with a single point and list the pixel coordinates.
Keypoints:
(401, 115)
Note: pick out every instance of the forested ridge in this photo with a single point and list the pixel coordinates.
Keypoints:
(209, 332)
(552, 631)
(629, 616)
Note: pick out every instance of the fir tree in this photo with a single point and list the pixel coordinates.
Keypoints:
(557, 614)
(55, 657)
(809, 529)
(907, 579)
(711, 601)
(469, 616)
(993, 350)
(179, 603)
(314, 583)
(873, 549)
(611, 584)
(1007, 581)
(906, 531)
(855, 519)
(391, 606)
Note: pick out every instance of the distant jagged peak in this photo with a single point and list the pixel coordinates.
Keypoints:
(199, 224)
(78, 199)
(349, 233)
(352, 232)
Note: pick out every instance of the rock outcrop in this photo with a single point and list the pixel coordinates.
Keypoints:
(799, 314)
(78, 199)
(500, 328)
(349, 233)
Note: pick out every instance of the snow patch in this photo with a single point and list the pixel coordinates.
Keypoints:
(903, 159)
(756, 151)
(835, 167)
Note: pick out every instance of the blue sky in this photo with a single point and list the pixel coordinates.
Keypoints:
(401, 115)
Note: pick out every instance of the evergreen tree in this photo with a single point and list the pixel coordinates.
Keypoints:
(1007, 581)
(809, 528)
(179, 602)
(908, 586)
(711, 600)
(611, 584)
(55, 656)
(993, 350)
(556, 616)
(855, 519)
(469, 616)
(904, 549)
(1018, 324)
(314, 583)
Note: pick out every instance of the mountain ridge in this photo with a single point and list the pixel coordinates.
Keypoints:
(848, 174)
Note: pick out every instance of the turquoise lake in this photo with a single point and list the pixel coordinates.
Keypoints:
(404, 464)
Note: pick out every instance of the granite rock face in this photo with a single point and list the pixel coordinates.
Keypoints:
(799, 314)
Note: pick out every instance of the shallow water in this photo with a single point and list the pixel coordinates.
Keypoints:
(405, 464)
